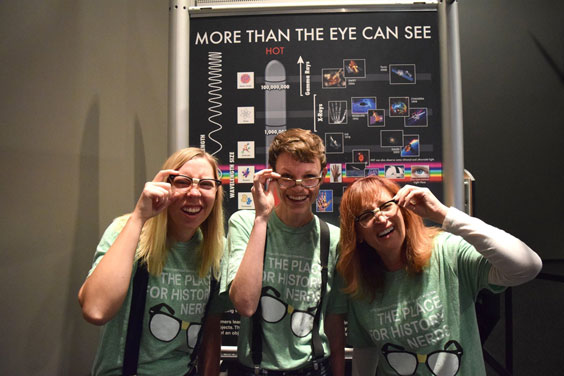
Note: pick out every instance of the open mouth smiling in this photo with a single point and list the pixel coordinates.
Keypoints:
(191, 210)
(386, 232)
(297, 198)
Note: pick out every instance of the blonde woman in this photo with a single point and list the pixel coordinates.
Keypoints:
(175, 233)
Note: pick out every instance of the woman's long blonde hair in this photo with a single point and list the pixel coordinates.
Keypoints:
(359, 264)
(153, 244)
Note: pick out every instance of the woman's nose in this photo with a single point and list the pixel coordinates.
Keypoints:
(193, 190)
(380, 217)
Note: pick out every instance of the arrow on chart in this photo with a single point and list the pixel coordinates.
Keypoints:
(314, 115)
(300, 63)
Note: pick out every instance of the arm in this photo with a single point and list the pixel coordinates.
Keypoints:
(246, 286)
(210, 352)
(365, 361)
(513, 262)
(104, 291)
(335, 331)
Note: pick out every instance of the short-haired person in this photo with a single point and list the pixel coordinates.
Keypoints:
(414, 287)
(176, 234)
(274, 258)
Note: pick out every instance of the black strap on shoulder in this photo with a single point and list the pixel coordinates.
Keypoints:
(324, 241)
(135, 323)
(196, 351)
(256, 325)
(256, 337)
(317, 345)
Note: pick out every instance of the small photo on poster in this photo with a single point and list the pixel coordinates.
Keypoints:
(246, 115)
(394, 171)
(245, 174)
(376, 118)
(245, 80)
(361, 105)
(371, 171)
(354, 68)
(417, 117)
(337, 112)
(402, 74)
(334, 143)
(336, 173)
(245, 201)
(399, 106)
(410, 145)
(361, 155)
(245, 149)
(333, 78)
(420, 172)
(355, 170)
(324, 202)
(390, 139)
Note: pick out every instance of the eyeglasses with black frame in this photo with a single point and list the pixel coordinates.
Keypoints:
(440, 363)
(183, 182)
(310, 182)
(365, 218)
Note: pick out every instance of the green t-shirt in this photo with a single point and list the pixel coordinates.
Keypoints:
(174, 310)
(429, 312)
(291, 289)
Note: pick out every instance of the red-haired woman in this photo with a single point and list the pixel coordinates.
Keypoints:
(413, 287)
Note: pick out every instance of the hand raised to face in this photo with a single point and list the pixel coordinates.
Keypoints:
(263, 190)
(156, 196)
(422, 202)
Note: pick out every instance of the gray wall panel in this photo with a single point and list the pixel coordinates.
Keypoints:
(82, 126)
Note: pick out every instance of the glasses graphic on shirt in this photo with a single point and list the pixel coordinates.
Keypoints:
(440, 363)
(274, 310)
(165, 327)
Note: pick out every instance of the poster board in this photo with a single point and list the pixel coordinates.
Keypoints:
(368, 83)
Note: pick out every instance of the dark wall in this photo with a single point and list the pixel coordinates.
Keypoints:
(513, 100)
(513, 116)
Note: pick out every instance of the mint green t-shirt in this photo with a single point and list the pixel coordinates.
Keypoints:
(291, 289)
(429, 312)
(174, 310)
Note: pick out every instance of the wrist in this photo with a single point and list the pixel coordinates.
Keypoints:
(441, 215)
(261, 219)
(137, 219)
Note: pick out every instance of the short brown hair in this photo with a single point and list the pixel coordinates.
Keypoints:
(301, 144)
